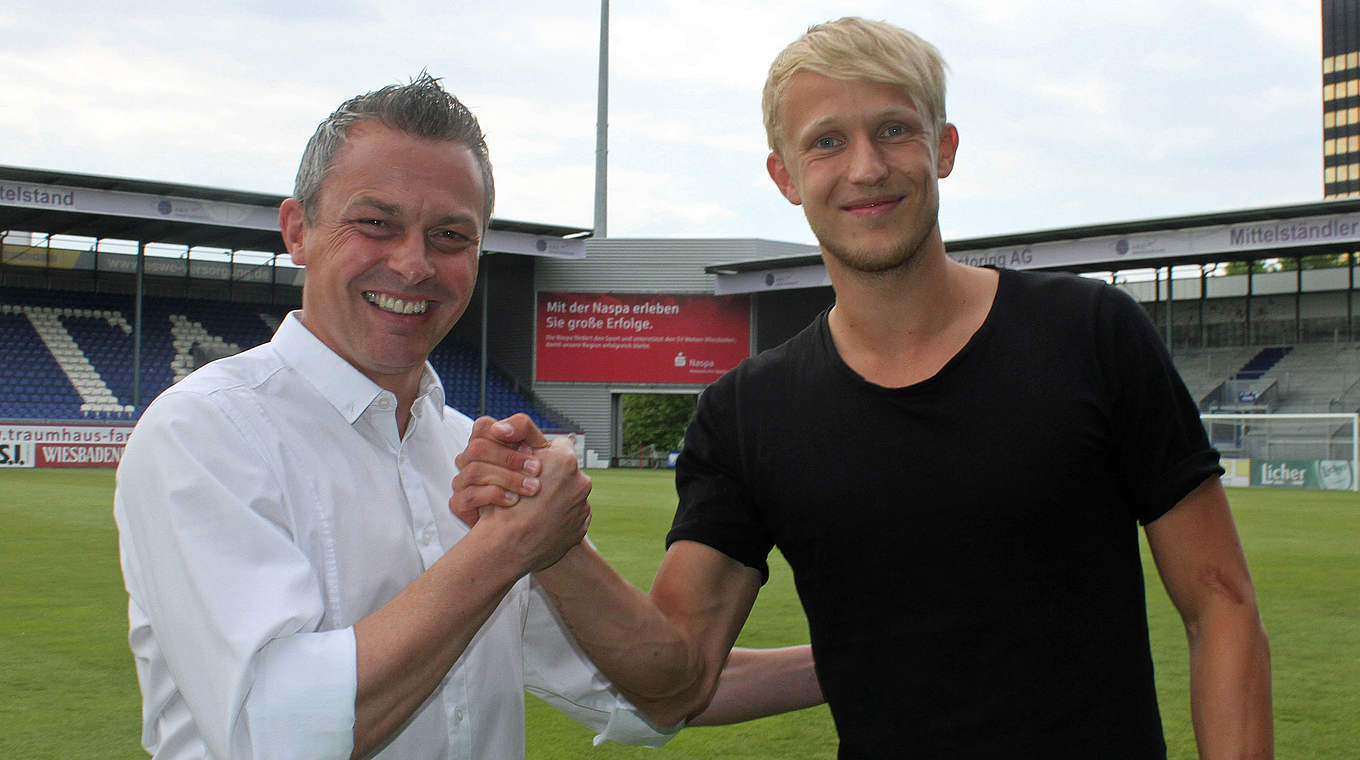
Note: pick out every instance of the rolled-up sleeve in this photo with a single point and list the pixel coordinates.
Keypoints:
(225, 608)
(558, 671)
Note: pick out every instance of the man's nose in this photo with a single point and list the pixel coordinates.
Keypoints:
(411, 258)
(867, 164)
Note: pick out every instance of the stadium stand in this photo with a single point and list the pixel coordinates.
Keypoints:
(1316, 377)
(1205, 369)
(68, 355)
(1306, 378)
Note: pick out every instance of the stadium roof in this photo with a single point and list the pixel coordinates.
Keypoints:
(95, 206)
(1322, 227)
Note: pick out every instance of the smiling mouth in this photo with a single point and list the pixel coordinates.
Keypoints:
(395, 305)
(870, 204)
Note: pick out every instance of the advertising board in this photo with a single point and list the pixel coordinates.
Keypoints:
(640, 338)
(1326, 474)
(62, 445)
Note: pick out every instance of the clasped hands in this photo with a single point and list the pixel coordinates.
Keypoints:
(511, 477)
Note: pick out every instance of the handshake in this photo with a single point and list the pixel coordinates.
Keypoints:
(511, 476)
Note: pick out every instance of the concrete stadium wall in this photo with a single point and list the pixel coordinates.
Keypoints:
(1279, 313)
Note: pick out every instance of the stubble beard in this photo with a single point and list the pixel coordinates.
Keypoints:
(902, 257)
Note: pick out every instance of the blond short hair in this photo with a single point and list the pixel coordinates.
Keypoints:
(856, 48)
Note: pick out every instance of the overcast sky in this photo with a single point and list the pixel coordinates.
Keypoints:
(1069, 113)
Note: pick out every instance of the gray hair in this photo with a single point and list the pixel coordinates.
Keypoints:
(422, 108)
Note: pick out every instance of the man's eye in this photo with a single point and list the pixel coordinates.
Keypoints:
(450, 240)
(894, 130)
(826, 142)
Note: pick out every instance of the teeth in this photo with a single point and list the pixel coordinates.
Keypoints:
(395, 305)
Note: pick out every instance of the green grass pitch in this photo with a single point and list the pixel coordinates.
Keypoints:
(67, 688)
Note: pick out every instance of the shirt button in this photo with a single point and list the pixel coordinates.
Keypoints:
(458, 715)
(427, 535)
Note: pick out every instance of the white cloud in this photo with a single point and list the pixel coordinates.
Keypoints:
(1070, 112)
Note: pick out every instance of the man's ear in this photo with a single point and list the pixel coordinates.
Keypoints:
(780, 174)
(292, 225)
(948, 149)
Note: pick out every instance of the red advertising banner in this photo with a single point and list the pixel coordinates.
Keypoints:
(79, 455)
(640, 337)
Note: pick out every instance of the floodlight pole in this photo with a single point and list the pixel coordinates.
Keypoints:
(486, 287)
(137, 329)
(602, 127)
(1170, 306)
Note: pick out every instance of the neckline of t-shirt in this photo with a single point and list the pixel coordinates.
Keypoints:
(978, 337)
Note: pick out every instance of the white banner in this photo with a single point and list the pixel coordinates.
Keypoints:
(1112, 251)
(17, 455)
(139, 205)
(501, 241)
(91, 434)
(1118, 251)
(146, 206)
(813, 276)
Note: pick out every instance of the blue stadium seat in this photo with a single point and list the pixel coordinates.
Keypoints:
(33, 384)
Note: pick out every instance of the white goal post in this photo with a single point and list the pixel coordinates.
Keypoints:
(1288, 450)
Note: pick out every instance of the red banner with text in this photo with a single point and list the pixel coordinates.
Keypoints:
(640, 338)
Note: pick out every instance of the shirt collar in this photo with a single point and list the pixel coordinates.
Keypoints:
(338, 381)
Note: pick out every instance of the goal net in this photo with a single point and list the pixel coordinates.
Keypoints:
(1287, 450)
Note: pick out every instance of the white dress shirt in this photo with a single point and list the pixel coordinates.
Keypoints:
(264, 505)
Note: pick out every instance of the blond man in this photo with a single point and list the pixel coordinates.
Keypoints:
(955, 462)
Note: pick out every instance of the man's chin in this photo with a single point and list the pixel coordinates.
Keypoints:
(871, 261)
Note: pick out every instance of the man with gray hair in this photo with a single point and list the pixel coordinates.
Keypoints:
(953, 460)
(297, 585)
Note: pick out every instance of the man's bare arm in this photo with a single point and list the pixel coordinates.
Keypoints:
(407, 646)
(665, 651)
(756, 683)
(1201, 562)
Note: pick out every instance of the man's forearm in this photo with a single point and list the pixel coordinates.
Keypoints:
(1230, 695)
(760, 682)
(646, 655)
(407, 646)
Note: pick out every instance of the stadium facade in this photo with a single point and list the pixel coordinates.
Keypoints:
(118, 287)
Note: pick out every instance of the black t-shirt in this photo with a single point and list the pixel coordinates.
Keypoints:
(965, 548)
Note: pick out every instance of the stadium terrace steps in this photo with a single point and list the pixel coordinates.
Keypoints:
(1318, 378)
(1262, 362)
(94, 393)
(1204, 369)
(193, 344)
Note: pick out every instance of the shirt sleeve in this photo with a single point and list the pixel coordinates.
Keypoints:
(1162, 452)
(715, 507)
(558, 671)
(233, 606)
